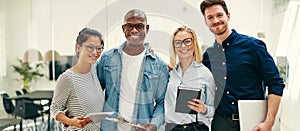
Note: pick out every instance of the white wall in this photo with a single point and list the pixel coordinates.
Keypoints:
(2, 41)
(54, 24)
(289, 46)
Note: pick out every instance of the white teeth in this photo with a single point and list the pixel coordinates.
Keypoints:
(134, 36)
(184, 51)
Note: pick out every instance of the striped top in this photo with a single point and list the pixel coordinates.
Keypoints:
(81, 94)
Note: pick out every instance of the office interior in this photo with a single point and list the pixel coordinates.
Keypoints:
(51, 26)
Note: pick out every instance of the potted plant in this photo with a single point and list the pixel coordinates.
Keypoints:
(27, 73)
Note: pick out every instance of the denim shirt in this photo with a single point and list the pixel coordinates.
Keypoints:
(151, 87)
(242, 68)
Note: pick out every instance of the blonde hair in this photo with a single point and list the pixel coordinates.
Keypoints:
(197, 52)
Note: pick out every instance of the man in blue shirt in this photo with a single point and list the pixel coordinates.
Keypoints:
(134, 79)
(242, 69)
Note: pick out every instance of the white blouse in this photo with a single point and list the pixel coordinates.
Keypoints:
(196, 76)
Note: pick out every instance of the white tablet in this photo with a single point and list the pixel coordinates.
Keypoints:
(97, 117)
(125, 123)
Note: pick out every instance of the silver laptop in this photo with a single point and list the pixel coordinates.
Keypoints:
(251, 113)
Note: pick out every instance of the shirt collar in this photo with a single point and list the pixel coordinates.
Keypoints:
(193, 64)
(228, 41)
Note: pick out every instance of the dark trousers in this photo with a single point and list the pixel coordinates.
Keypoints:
(195, 126)
(224, 123)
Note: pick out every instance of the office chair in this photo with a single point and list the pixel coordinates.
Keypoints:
(26, 109)
(43, 105)
(7, 104)
(18, 92)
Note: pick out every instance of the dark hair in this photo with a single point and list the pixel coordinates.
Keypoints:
(136, 13)
(208, 3)
(85, 33)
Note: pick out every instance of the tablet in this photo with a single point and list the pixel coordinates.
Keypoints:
(97, 117)
(125, 123)
(185, 94)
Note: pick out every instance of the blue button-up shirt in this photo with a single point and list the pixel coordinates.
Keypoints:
(242, 68)
(151, 87)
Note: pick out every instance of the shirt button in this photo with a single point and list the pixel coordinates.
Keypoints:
(225, 78)
(223, 63)
(216, 88)
(223, 49)
(227, 43)
(232, 103)
(227, 92)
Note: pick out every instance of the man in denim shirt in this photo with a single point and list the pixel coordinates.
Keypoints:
(134, 79)
(242, 68)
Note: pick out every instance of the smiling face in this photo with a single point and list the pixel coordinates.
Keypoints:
(135, 28)
(184, 51)
(90, 50)
(216, 19)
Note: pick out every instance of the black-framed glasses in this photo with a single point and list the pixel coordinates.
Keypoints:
(139, 27)
(91, 48)
(186, 42)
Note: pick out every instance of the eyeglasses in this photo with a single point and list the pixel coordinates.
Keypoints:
(186, 42)
(129, 27)
(91, 48)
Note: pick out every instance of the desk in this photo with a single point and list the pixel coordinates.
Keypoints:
(38, 95)
(10, 122)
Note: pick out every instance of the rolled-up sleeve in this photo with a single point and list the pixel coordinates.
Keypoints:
(269, 71)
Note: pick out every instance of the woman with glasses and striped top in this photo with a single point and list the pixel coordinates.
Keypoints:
(78, 89)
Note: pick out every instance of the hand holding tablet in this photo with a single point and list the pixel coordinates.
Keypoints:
(185, 94)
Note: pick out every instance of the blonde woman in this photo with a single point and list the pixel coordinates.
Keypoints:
(188, 72)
